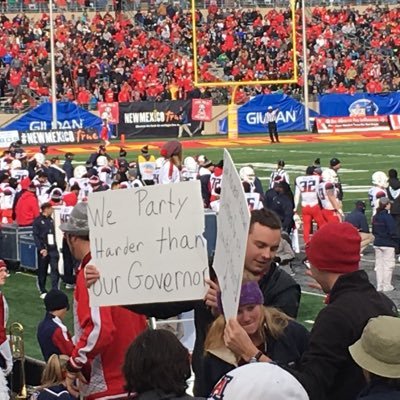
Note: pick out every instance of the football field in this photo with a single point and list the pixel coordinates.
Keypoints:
(359, 159)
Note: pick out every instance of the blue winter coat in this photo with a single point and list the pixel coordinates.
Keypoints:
(378, 390)
(384, 229)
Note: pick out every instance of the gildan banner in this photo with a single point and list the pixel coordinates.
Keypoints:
(69, 117)
(54, 136)
(251, 116)
(377, 123)
(359, 105)
(152, 119)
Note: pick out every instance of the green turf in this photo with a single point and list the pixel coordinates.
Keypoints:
(359, 160)
(26, 307)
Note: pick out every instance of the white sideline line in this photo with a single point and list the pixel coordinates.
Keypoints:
(313, 294)
(25, 274)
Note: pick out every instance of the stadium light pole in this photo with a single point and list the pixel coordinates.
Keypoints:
(52, 69)
(305, 65)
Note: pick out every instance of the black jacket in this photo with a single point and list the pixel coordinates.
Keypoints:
(384, 229)
(326, 369)
(68, 168)
(158, 395)
(358, 219)
(42, 227)
(378, 389)
(279, 288)
(287, 350)
(394, 194)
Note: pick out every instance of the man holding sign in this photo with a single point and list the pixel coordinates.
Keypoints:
(102, 334)
(279, 289)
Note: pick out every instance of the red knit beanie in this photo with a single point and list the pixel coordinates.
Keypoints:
(335, 248)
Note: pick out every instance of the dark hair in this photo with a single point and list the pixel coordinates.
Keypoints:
(156, 360)
(44, 206)
(246, 187)
(392, 173)
(265, 217)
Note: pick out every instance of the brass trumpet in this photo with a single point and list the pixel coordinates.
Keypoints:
(18, 381)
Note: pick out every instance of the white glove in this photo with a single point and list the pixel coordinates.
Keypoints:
(5, 351)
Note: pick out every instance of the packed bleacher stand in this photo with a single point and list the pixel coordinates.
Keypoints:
(148, 56)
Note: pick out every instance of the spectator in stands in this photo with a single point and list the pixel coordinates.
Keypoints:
(157, 366)
(52, 334)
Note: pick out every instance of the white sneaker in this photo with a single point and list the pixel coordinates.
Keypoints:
(69, 286)
(43, 295)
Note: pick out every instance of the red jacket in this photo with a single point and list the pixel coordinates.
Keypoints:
(27, 209)
(102, 337)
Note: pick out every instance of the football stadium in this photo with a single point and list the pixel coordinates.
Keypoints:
(190, 191)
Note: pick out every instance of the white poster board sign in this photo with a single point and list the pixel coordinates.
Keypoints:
(233, 223)
(148, 244)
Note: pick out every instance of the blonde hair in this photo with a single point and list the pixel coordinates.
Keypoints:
(55, 370)
(272, 324)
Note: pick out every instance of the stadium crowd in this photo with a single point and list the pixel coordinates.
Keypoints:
(148, 57)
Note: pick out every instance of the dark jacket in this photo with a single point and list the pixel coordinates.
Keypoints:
(55, 174)
(378, 389)
(287, 350)
(358, 219)
(158, 395)
(384, 229)
(326, 369)
(394, 194)
(68, 168)
(53, 337)
(279, 288)
(58, 392)
(283, 206)
(42, 227)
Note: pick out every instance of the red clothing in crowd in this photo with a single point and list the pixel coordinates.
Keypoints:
(27, 209)
(102, 336)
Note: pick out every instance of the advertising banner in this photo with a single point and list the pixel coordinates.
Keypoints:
(251, 116)
(359, 104)
(377, 123)
(109, 111)
(394, 122)
(59, 136)
(201, 110)
(7, 137)
(69, 117)
(152, 119)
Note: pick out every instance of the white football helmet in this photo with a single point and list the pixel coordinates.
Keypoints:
(379, 178)
(16, 164)
(247, 174)
(190, 164)
(79, 171)
(101, 161)
(329, 175)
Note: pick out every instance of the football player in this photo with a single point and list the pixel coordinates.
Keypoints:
(306, 189)
(328, 194)
(380, 181)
